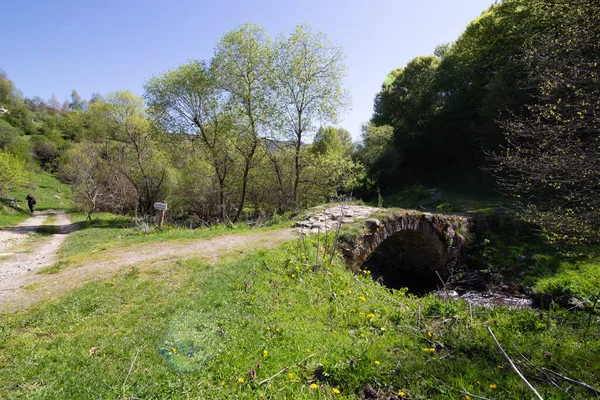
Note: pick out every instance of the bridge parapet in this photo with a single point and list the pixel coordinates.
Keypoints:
(423, 243)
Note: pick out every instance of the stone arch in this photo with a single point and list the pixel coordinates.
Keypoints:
(422, 243)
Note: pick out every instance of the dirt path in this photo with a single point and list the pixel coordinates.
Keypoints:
(20, 257)
(21, 287)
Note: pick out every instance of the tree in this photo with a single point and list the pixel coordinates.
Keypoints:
(7, 88)
(408, 103)
(333, 140)
(130, 146)
(242, 65)
(552, 157)
(76, 102)
(9, 135)
(187, 101)
(54, 103)
(95, 98)
(378, 154)
(444, 110)
(308, 70)
(96, 186)
(13, 172)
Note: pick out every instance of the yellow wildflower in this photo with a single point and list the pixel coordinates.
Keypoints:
(362, 335)
(313, 386)
(336, 391)
(369, 316)
(401, 393)
(493, 386)
(290, 375)
(376, 362)
(467, 397)
(429, 334)
(265, 353)
(363, 298)
(241, 380)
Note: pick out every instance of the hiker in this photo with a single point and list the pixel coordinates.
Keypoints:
(30, 202)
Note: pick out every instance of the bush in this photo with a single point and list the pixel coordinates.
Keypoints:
(13, 172)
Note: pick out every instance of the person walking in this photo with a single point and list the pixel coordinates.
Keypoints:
(30, 202)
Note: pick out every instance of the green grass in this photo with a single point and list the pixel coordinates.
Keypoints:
(573, 278)
(520, 253)
(48, 192)
(191, 330)
(111, 231)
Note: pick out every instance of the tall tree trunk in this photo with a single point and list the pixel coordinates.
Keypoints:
(245, 180)
(297, 160)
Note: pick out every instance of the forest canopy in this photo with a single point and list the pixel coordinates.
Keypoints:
(515, 95)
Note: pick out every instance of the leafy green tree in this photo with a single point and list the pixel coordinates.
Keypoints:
(333, 140)
(47, 149)
(379, 155)
(410, 100)
(187, 101)
(14, 172)
(243, 68)
(551, 160)
(130, 147)
(21, 117)
(326, 176)
(309, 71)
(9, 135)
(7, 88)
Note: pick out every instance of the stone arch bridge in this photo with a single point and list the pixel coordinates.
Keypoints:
(421, 243)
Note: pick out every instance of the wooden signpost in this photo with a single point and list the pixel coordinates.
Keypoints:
(162, 207)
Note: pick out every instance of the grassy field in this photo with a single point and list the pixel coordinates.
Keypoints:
(274, 325)
(48, 192)
(271, 325)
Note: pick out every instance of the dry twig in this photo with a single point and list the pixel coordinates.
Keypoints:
(513, 365)
(285, 369)
(566, 378)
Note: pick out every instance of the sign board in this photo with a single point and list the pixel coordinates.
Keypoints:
(160, 206)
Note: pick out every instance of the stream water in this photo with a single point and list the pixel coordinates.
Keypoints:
(422, 286)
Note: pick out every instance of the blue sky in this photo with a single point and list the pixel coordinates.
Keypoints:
(54, 46)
